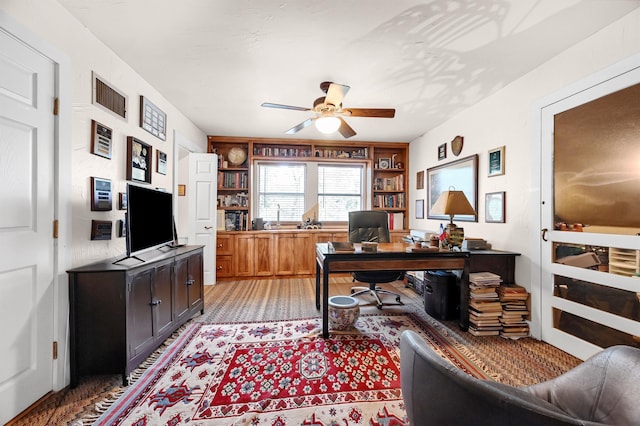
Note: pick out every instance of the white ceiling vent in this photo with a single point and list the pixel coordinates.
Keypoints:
(108, 97)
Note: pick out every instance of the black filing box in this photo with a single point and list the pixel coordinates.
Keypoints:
(441, 295)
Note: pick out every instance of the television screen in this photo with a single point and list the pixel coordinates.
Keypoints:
(149, 218)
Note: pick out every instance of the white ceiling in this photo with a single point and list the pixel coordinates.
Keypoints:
(218, 60)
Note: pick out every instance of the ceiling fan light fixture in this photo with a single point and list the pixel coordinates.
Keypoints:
(327, 124)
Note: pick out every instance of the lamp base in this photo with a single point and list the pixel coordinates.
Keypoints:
(456, 235)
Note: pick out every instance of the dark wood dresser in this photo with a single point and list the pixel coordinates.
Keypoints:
(121, 312)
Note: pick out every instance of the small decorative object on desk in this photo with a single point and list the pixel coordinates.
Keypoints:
(340, 247)
(369, 246)
(423, 249)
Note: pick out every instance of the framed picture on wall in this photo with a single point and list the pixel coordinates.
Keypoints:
(138, 160)
(153, 119)
(461, 175)
(420, 180)
(419, 209)
(101, 139)
(496, 161)
(494, 210)
(442, 151)
(161, 162)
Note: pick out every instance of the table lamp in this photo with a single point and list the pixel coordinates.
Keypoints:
(451, 203)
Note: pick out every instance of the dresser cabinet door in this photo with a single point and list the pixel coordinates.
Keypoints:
(140, 332)
(194, 282)
(181, 291)
(162, 301)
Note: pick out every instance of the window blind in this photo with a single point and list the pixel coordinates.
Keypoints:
(339, 191)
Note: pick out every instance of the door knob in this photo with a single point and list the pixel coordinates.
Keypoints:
(208, 227)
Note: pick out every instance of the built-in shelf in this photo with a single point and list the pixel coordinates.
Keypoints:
(386, 160)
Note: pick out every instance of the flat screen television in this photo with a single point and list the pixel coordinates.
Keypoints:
(149, 219)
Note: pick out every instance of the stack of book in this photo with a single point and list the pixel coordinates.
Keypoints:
(514, 311)
(485, 308)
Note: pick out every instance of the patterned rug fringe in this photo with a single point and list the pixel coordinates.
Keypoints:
(103, 406)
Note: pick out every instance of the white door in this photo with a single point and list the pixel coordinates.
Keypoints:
(567, 321)
(27, 90)
(203, 175)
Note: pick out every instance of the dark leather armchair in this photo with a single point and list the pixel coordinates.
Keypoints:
(602, 390)
(372, 226)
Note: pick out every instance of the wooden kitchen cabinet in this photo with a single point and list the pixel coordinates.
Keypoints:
(224, 255)
(269, 253)
(294, 253)
(325, 237)
(253, 254)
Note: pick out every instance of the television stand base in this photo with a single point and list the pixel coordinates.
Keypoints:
(127, 258)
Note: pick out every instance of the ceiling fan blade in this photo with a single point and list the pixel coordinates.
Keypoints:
(335, 94)
(345, 130)
(296, 108)
(370, 112)
(295, 129)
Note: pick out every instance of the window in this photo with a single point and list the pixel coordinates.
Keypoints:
(281, 191)
(297, 187)
(339, 191)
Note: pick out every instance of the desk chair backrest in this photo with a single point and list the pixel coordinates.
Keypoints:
(369, 225)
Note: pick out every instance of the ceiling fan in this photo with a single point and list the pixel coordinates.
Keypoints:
(329, 111)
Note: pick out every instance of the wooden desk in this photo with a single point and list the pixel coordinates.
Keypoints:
(389, 257)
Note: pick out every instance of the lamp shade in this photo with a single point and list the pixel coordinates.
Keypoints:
(452, 203)
(327, 124)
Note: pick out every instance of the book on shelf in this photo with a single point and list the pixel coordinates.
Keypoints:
(236, 220)
(396, 221)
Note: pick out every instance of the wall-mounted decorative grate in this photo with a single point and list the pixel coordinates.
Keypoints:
(109, 97)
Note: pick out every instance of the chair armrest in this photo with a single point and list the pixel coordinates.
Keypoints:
(604, 388)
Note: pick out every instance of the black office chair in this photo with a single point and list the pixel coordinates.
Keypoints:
(372, 226)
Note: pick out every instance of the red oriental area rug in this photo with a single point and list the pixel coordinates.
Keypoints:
(278, 373)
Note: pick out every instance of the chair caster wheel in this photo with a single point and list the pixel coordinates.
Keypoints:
(398, 299)
(379, 306)
(352, 291)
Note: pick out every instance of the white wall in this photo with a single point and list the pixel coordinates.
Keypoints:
(507, 118)
(49, 20)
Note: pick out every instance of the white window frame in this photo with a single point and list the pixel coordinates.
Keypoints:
(311, 186)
